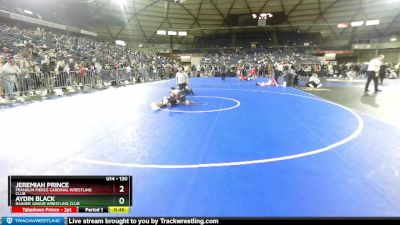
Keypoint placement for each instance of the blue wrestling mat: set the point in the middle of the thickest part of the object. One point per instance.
(243, 150)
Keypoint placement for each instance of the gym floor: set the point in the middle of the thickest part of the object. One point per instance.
(242, 150)
(382, 106)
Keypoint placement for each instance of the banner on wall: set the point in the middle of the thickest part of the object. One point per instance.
(186, 58)
(330, 56)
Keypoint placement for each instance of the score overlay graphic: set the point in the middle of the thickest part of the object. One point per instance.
(69, 194)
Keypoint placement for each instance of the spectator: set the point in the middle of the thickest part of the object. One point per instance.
(382, 72)
(8, 77)
(314, 82)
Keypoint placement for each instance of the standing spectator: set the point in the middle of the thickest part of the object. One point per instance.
(356, 69)
(363, 70)
(277, 71)
(8, 75)
(373, 72)
(1, 70)
(223, 71)
(202, 71)
(382, 72)
(253, 71)
(290, 76)
(307, 71)
(168, 70)
(187, 69)
(238, 71)
(71, 65)
(193, 71)
(25, 79)
(143, 72)
(330, 69)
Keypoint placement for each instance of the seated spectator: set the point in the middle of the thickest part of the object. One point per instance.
(314, 82)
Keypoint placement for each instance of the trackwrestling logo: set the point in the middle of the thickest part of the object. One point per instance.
(33, 220)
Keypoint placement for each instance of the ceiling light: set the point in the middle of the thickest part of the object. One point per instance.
(28, 12)
(342, 25)
(171, 32)
(357, 23)
(161, 32)
(120, 2)
(371, 22)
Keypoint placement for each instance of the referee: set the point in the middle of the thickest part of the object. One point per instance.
(181, 79)
(373, 72)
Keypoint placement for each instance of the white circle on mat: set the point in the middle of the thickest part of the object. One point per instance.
(248, 162)
(205, 111)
